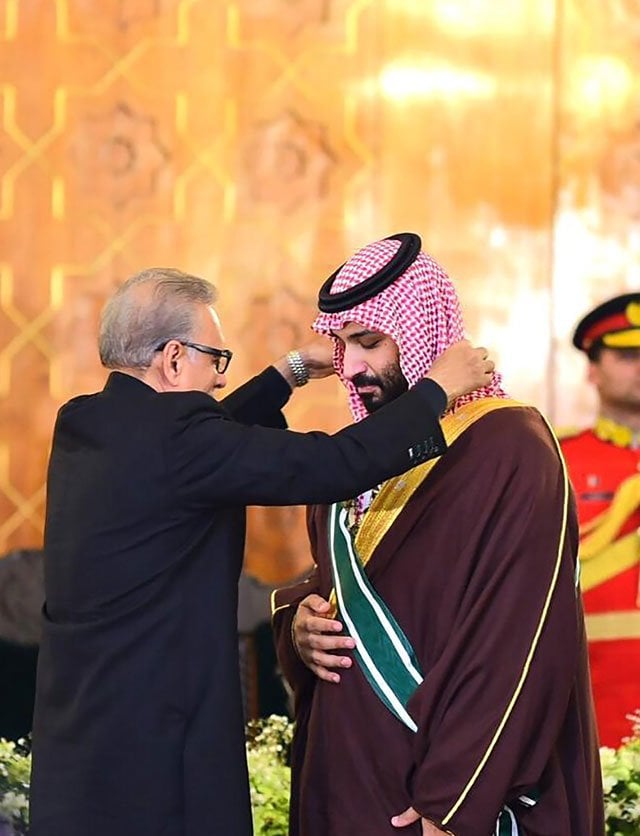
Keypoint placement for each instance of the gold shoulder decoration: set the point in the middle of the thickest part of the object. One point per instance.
(395, 493)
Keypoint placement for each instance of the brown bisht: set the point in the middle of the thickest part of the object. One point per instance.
(479, 570)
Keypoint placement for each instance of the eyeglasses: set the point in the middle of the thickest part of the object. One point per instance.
(222, 355)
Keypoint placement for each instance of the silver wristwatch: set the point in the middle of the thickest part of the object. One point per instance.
(298, 368)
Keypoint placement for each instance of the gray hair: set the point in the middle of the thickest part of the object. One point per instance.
(149, 309)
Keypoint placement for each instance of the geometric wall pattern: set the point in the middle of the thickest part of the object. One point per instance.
(260, 142)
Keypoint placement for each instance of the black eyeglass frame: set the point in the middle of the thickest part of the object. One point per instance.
(222, 355)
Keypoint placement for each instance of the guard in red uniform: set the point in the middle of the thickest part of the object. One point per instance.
(604, 466)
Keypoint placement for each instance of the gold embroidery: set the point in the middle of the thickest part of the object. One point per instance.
(396, 492)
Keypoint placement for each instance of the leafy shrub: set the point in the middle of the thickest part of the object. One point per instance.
(15, 770)
(268, 743)
(621, 780)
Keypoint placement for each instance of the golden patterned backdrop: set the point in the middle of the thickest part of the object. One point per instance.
(260, 142)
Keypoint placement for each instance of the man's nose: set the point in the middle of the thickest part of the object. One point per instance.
(353, 365)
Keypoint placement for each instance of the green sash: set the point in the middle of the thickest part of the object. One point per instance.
(385, 654)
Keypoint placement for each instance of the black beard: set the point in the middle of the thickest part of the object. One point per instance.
(392, 384)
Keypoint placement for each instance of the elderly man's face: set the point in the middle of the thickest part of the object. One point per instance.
(199, 370)
(371, 363)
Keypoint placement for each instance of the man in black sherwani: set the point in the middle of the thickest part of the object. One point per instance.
(138, 725)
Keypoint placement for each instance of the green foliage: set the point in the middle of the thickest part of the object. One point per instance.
(15, 772)
(268, 743)
(621, 780)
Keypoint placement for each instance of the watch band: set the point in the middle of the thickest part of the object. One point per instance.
(298, 368)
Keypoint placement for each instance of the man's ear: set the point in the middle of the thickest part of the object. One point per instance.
(171, 363)
(593, 373)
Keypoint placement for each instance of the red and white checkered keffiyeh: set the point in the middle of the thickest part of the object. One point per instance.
(420, 311)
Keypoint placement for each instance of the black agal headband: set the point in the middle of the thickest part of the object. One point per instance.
(409, 250)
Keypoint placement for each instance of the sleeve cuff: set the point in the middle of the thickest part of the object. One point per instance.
(278, 386)
(434, 444)
(434, 394)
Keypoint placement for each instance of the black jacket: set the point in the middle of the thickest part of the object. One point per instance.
(138, 725)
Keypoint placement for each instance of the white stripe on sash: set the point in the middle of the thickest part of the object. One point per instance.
(499, 831)
(382, 617)
(366, 658)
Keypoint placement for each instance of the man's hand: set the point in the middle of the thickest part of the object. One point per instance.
(317, 355)
(314, 634)
(461, 369)
(410, 816)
